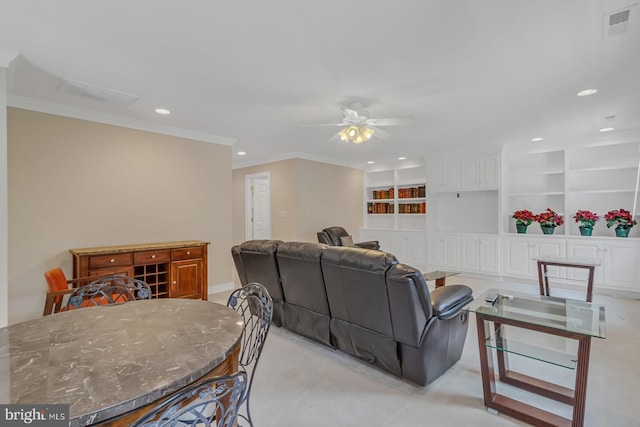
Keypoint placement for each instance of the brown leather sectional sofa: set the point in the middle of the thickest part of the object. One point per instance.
(362, 302)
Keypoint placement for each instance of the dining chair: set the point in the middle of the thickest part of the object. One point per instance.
(255, 306)
(58, 286)
(211, 402)
(108, 290)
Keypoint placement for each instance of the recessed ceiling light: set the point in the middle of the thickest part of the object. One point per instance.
(587, 92)
(606, 129)
(242, 153)
(402, 158)
(162, 111)
(370, 162)
(536, 139)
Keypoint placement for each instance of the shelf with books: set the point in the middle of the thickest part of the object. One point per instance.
(396, 198)
(378, 208)
(412, 192)
(418, 207)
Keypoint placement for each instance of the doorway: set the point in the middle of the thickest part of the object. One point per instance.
(258, 206)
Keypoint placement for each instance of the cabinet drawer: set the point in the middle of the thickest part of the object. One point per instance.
(151, 257)
(187, 253)
(112, 260)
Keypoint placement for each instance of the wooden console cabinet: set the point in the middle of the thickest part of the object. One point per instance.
(172, 269)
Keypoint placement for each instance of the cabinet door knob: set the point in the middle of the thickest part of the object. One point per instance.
(112, 260)
(188, 252)
(174, 282)
(153, 257)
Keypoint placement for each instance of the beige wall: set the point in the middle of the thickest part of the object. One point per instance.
(312, 195)
(4, 212)
(74, 183)
(327, 195)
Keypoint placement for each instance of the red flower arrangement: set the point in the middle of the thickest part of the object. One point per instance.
(587, 218)
(523, 217)
(619, 218)
(549, 218)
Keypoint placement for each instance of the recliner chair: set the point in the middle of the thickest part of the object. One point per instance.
(338, 236)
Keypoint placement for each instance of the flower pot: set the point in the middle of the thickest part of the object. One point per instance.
(585, 230)
(521, 228)
(547, 229)
(622, 231)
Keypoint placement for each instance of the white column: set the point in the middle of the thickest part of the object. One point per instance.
(5, 60)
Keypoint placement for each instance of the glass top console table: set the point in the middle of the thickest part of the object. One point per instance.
(571, 319)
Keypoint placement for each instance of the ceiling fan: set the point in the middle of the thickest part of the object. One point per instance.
(359, 127)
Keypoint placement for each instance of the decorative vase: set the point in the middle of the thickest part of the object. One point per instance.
(622, 231)
(547, 229)
(585, 230)
(521, 228)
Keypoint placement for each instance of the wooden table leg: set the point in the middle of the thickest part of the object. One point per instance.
(580, 391)
(440, 282)
(486, 363)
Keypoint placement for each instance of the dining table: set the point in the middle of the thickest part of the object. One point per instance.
(111, 363)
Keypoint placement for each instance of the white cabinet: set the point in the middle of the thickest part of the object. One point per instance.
(585, 248)
(410, 248)
(443, 250)
(480, 172)
(444, 176)
(621, 264)
(480, 253)
(382, 236)
(521, 251)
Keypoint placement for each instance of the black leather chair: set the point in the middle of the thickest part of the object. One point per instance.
(306, 310)
(256, 262)
(338, 236)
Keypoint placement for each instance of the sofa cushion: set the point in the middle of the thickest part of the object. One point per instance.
(260, 265)
(306, 309)
(356, 288)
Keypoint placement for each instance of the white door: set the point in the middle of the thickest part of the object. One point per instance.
(258, 207)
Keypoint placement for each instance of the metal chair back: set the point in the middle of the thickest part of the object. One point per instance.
(108, 290)
(211, 402)
(255, 306)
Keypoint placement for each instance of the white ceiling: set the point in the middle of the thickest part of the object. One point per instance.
(473, 75)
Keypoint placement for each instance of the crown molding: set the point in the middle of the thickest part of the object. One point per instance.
(296, 155)
(40, 106)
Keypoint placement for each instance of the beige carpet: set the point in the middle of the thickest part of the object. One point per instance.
(301, 383)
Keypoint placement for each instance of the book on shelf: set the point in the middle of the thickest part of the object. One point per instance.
(379, 208)
(382, 194)
(412, 192)
(412, 208)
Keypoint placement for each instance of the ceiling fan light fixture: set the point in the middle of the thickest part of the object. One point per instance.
(356, 133)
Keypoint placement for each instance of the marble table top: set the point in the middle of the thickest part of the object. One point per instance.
(107, 360)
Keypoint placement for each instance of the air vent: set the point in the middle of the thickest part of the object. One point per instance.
(619, 18)
(97, 93)
(617, 22)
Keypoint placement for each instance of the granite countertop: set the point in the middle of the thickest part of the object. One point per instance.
(107, 360)
(137, 247)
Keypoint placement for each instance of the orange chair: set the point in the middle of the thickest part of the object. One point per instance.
(58, 287)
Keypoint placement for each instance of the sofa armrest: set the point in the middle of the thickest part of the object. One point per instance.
(370, 244)
(447, 301)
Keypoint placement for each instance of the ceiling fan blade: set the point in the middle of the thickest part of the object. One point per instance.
(379, 133)
(350, 115)
(335, 137)
(390, 121)
(322, 124)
